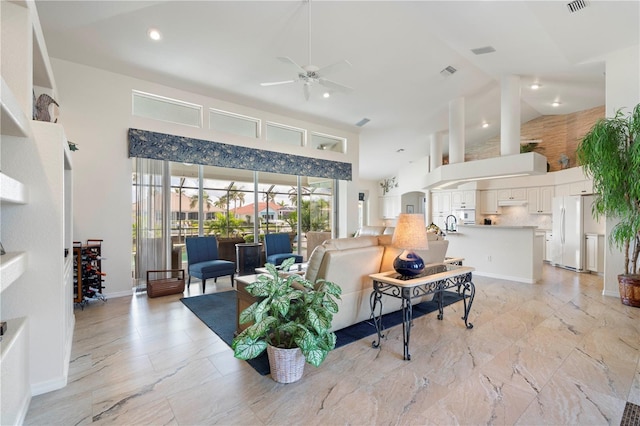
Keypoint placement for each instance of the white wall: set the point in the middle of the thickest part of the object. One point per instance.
(95, 109)
(623, 91)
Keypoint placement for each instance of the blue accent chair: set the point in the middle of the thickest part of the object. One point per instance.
(277, 248)
(203, 262)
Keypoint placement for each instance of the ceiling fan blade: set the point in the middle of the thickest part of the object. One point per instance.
(334, 67)
(275, 83)
(307, 91)
(335, 86)
(290, 61)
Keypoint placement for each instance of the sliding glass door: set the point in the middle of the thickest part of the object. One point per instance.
(236, 205)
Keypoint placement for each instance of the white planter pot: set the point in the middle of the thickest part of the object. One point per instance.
(287, 365)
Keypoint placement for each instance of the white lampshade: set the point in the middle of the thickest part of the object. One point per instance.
(410, 232)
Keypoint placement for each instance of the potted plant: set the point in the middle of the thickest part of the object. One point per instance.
(610, 154)
(292, 316)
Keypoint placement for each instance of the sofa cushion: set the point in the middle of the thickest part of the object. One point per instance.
(314, 262)
(370, 230)
(350, 243)
(221, 267)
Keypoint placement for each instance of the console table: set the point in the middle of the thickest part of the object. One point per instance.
(435, 279)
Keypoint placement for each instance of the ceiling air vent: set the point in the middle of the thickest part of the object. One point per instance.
(362, 122)
(576, 5)
(448, 71)
(483, 50)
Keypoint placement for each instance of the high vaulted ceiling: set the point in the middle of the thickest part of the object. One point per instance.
(397, 51)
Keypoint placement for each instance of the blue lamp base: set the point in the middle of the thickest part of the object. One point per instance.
(408, 264)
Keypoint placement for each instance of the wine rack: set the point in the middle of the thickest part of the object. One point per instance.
(88, 277)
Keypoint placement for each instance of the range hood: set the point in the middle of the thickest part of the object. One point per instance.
(449, 175)
(508, 203)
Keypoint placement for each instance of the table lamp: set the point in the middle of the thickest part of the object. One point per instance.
(410, 234)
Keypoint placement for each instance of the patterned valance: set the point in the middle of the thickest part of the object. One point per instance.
(160, 146)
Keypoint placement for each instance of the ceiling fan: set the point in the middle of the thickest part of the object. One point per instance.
(312, 74)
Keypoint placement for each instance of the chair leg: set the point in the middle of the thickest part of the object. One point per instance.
(233, 283)
(189, 281)
(204, 282)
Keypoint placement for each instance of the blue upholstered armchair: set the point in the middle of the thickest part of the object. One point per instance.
(277, 248)
(203, 262)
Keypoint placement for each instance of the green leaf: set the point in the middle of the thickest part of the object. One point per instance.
(247, 315)
(248, 349)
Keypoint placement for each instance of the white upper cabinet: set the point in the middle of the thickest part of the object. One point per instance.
(512, 194)
(440, 202)
(489, 202)
(584, 187)
(463, 199)
(539, 200)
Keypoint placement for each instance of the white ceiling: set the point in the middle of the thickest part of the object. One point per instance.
(397, 50)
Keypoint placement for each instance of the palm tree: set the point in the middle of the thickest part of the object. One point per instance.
(236, 195)
(222, 202)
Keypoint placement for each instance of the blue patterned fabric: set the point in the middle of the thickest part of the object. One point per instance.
(161, 146)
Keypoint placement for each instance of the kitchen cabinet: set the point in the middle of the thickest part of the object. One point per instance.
(441, 203)
(463, 200)
(563, 190)
(489, 202)
(539, 200)
(512, 194)
(390, 206)
(548, 246)
(594, 252)
(584, 187)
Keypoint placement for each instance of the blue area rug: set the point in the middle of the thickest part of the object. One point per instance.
(218, 312)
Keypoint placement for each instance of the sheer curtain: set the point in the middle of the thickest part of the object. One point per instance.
(153, 235)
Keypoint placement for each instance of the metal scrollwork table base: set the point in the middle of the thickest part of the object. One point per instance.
(435, 279)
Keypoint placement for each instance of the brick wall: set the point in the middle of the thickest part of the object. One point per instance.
(560, 134)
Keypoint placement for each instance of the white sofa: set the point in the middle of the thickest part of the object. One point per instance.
(348, 262)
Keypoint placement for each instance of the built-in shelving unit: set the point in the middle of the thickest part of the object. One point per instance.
(36, 283)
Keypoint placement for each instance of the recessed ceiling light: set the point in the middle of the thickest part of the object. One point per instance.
(535, 86)
(555, 104)
(326, 95)
(485, 125)
(154, 34)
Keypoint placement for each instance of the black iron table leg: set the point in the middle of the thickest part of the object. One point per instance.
(407, 321)
(376, 302)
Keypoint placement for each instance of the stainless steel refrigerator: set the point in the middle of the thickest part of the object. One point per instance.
(568, 232)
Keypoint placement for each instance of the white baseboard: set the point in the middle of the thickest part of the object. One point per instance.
(504, 277)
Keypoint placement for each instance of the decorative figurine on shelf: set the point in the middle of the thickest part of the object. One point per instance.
(564, 161)
(387, 184)
(42, 112)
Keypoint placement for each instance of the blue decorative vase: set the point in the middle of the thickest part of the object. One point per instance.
(408, 264)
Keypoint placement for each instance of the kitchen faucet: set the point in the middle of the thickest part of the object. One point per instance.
(454, 226)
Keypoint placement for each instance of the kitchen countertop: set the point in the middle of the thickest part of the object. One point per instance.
(498, 226)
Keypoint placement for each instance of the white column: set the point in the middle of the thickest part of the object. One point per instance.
(456, 131)
(510, 115)
(435, 150)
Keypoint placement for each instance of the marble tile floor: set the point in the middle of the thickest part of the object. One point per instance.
(556, 352)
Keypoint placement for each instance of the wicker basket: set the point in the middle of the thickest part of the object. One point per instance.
(287, 365)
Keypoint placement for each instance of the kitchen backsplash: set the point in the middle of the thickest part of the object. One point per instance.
(518, 216)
